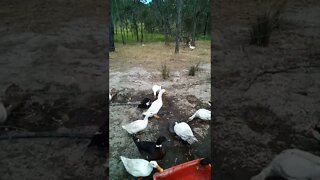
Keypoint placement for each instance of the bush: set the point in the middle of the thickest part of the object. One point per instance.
(193, 69)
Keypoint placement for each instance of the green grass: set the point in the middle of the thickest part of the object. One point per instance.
(203, 38)
(149, 37)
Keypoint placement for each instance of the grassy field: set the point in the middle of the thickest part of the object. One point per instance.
(149, 37)
(154, 54)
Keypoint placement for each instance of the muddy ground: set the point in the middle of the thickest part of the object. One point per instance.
(266, 99)
(53, 71)
(186, 94)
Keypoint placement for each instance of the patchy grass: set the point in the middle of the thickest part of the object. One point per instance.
(165, 71)
(193, 69)
(266, 22)
(153, 55)
(131, 37)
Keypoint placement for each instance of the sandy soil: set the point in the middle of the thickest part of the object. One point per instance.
(266, 99)
(53, 70)
(132, 80)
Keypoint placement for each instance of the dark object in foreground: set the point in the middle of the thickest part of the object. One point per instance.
(153, 150)
(292, 164)
(205, 162)
(100, 139)
(187, 171)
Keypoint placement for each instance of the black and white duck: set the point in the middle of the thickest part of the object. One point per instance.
(152, 150)
(156, 105)
(145, 103)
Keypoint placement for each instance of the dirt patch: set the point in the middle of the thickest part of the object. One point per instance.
(133, 79)
(177, 151)
(266, 99)
(53, 74)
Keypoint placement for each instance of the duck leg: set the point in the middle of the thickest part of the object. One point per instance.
(156, 116)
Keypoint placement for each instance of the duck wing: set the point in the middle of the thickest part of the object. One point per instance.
(145, 146)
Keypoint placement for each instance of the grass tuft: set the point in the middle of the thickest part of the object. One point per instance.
(165, 71)
(193, 69)
(266, 22)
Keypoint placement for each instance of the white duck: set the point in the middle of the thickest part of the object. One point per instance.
(156, 105)
(201, 114)
(190, 46)
(184, 131)
(139, 167)
(110, 97)
(156, 89)
(137, 125)
(292, 164)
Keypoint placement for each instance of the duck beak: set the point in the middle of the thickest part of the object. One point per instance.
(159, 169)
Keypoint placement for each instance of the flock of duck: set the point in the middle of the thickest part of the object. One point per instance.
(154, 151)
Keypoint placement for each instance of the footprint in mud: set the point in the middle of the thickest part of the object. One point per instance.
(261, 119)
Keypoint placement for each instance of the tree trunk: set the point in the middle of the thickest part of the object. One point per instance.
(206, 24)
(122, 35)
(178, 25)
(131, 30)
(116, 30)
(127, 31)
(193, 37)
(141, 30)
(111, 34)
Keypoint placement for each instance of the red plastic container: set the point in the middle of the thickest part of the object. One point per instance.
(190, 170)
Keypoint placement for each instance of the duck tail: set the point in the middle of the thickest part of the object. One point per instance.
(192, 140)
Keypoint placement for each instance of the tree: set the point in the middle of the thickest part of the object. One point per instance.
(178, 25)
(111, 34)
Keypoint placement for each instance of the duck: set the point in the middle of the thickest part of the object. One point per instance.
(156, 89)
(139, 167)
(292, 164)
(3, 113)
(201, 114)
(184, 131)
(156, 105)
(190, 46)
(316, 132)
(138, 125)
(154, 150)
(110, 97)
(145, 103)
(100, 138)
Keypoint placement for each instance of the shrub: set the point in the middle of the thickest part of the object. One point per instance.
(266, 23)
(165, 72)
(193, 69)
